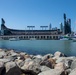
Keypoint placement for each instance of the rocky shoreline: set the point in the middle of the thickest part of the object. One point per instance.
(21, 63)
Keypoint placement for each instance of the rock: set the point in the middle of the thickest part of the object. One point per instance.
(17, 71)
(14, 71)
(60, 66)
(27, 56)
(37, 56)
(68, 71)
(31, 65)
(58, 54)
(11, 58)
(35, 67)
(37, 60)
(22, 57)
(73, 72)
(60, 59)
(19, 63)
(45, 57)
(73, 65)
(46, 63)
(29, 72)
(52, 72)
(31, 56)
(2, 54)
(1, 64)
(71, 57)
(2, 69)
(18, 57)
(1, 50)
(28, 60)
(12, 53)
(44, 68)
(52, 61)
(22, 53)
(5, 60)
(67, 61)
(49, 63)
(10, 65)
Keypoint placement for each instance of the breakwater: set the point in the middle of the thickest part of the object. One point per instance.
(21, 63)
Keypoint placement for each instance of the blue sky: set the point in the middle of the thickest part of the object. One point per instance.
(19, 14)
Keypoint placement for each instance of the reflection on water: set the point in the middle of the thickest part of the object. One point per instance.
(41, 46)
(67, 47)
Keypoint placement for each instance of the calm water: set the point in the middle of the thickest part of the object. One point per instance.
(41, 46)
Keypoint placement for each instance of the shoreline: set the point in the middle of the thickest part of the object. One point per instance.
(42, 53)
(21, 63)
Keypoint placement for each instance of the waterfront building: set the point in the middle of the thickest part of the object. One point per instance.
(49, 34)
(44, 34)
(67, 25)
(50, 26)
(61, 28)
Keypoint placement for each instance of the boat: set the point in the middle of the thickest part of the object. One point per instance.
(65, 37)
(74, 39)
(32, 38)
(13, 39)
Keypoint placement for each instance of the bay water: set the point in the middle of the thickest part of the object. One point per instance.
(41, 46)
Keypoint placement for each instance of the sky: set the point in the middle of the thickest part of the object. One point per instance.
(18, 14)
